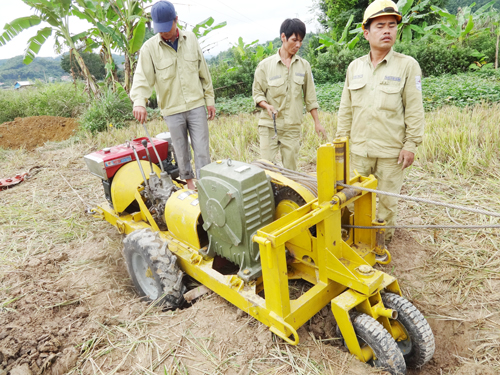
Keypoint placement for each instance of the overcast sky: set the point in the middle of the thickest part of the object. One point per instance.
(257, 19)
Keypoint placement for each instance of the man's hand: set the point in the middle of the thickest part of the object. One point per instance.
(140, 114)
(320, 130)
(211, 112)
(406, 157)
(271, 110)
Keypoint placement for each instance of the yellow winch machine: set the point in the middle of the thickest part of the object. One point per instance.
(250, 229)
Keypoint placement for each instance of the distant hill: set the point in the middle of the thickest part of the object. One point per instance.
(453, 5)
(42, 68)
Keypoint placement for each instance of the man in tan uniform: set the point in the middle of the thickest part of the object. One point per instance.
(278, 85)
(172, 62)
(381, 108)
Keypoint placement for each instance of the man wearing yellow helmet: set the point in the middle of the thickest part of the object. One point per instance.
(381, 108)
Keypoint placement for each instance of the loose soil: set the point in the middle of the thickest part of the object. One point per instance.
(31, 132)
(68, 306)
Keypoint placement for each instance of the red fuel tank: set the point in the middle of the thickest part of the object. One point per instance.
(106, 162)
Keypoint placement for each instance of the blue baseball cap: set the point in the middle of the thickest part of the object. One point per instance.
(163, 14)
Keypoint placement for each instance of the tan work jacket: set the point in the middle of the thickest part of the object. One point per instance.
(381, 109)
(282, 88)
(181, 79)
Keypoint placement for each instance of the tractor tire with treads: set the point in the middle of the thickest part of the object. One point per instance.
(153, 269)
(387, 354)
(419, 347)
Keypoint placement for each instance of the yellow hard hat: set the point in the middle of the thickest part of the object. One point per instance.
(381, 8)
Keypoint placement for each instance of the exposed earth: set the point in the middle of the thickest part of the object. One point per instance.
(67, 304)
(31, 132)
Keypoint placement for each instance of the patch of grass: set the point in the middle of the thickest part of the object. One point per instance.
(109, 110)
(54, 99)
(464, 141)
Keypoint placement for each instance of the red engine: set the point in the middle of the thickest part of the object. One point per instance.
(106, 162)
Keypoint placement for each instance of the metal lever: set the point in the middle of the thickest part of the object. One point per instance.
(154, 148)
(275, 130)
(146, 184)
(145, 144)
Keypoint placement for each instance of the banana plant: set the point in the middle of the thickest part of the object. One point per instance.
(327, 41)
(103, 34)
(457, 27)
(411, 13)
(56, 13)
(246, 58)
(203, 28)
(131, 29)
(494, 18)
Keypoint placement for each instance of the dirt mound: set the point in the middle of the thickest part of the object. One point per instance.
(31, 132)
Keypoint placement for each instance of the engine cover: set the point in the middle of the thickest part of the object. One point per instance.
(236, 199)
(106, 162)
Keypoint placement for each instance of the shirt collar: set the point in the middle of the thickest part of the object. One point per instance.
(278, 57)
(182, 35)
(387, 57)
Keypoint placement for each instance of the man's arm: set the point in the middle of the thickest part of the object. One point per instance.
(259, 91)
(414, 115)
(142, 86)
(311, 102)
(206, 83)
(344, 121)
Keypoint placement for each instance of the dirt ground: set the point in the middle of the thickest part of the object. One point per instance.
(31, 132)
(67, 304)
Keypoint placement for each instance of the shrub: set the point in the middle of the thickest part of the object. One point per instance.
(111, 108)
(235, 105)
(43, 99)
(332, 65)
(439, 57)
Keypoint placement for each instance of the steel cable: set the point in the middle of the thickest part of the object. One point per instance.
(423, 200)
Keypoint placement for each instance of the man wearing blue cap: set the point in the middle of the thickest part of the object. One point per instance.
(172, 62)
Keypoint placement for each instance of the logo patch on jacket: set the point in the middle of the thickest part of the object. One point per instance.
(392, 78)
(418, 82)
(275, 77)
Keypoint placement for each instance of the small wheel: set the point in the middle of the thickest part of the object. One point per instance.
(418, 347)
(387, 355)
(153, 269)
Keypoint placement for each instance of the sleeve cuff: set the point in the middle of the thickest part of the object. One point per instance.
(210, 102)
(410, 146)
(312, 106)
(140, 103)
(258, 99)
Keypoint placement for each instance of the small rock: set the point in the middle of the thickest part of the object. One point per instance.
(52, 345)
(80, 312)
(66, 362)
(23, 369)
(60, 257)
(34, 262)
(241, 314)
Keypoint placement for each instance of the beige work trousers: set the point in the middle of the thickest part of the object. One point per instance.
(287, 142)
(390, 178)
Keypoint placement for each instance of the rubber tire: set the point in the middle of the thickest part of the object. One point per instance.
(148, 249)
(417, 328)
(387, 353)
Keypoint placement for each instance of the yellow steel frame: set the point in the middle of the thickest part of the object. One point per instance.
(342, 271)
